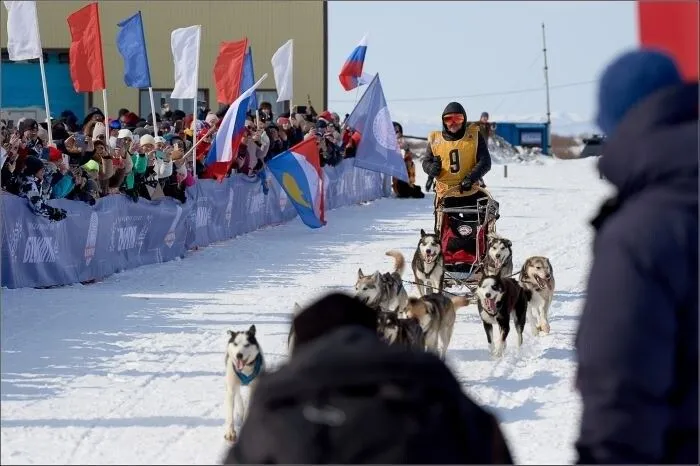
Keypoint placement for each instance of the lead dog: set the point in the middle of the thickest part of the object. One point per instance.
(499, 257)
(537, 276)
(383, 292)
(428, 264)
(436, 314)
(244, 363)
(497, 300)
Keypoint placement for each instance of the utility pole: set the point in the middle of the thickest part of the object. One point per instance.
(546, 84)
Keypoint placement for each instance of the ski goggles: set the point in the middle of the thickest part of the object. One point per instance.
(453, 118)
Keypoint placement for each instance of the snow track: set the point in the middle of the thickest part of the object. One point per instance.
(130, 370)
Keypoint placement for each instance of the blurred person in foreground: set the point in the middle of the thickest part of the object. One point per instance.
(346, 397)
(637, 341)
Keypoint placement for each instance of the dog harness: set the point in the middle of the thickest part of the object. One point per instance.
(257, 368)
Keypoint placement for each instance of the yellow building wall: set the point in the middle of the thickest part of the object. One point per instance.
(267, 24)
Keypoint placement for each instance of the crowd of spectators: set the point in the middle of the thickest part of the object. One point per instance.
(134, 156)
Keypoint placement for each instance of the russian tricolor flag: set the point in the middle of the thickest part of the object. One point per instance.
(224, 148)
(298, 171)
(352, 69)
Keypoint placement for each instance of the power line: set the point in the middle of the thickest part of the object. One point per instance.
(484, 94)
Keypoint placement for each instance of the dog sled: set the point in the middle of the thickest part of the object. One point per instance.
(463, 221)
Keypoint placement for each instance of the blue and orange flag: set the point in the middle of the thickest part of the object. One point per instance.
(298, 171)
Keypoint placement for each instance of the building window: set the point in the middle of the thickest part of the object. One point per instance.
(531, 138)
(162, 97)
(270, 95)
(5, 57)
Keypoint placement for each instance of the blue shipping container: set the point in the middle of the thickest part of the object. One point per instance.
(21, 85)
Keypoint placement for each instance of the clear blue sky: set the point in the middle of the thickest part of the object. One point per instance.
(425, 49)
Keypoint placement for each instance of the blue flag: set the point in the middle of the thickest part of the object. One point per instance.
(378, 149)
(131, 45)
(248, 79)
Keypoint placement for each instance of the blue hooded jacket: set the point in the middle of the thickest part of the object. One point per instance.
(637, 343)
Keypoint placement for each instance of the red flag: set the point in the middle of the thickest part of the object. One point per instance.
(86, 62)
(228, 70)
(671, 26)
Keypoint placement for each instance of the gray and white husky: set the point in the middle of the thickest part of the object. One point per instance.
(383, 291)
(499, 257)
(244, 363)
(436, 314)
(397, 331)
(428, 264)
(537, 275)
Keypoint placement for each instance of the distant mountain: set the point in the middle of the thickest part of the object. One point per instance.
(563, 123)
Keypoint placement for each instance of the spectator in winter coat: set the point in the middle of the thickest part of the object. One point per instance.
(277, 145)
(290, 128)
(60, 179)
(637, 343)
(30, 144)
(32, 190)
(87, 188)
(346, 397)
(93, 114)
(401, 188)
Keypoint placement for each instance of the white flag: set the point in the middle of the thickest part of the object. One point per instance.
(282, 69)
(22, 30)
(366, 78)
(184, 43)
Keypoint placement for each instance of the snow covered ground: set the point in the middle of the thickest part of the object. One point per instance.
(130, 370)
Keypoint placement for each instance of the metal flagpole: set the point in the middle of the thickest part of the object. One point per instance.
(153, 111)
(43, 80)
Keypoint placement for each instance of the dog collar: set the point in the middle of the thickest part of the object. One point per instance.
(257, 368)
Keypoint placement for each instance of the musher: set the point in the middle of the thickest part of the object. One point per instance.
(457, 156)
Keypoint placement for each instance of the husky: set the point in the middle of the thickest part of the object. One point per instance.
(428, 264)
(244, 363)
(397, 331)
(537, 276)
(499, 257)
(436, 314)
(383, 292)
(497, 299)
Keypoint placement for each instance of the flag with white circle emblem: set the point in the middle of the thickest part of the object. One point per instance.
(378, 149)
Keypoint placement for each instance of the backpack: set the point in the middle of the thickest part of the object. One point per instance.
(349, 398)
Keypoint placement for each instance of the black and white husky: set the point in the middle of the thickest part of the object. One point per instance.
(383, 291)
(244, 363)
(499, 257)
(428, 264)
(497, 299)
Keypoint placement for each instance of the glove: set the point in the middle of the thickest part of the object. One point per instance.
(132, 194)
(466, 185)
(433, 166)
(57, 214)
